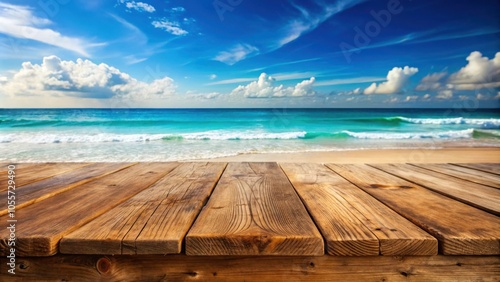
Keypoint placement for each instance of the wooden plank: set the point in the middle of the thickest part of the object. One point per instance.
(486, 167)
(154, 221)
(464, 173)
(254, 210)
(42, 225)
(29, 173)
(479, 196)
(351, 221)
(49, 187)
(258, 268)
(460, 228)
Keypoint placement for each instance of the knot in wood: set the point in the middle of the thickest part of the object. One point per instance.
(103, 265)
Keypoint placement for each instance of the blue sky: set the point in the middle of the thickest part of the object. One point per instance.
(242, 53)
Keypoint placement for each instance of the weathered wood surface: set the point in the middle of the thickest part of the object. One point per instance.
(29, 173)
(491, 168)
(49, 187)
(460, 228)
(43, 224)
(261, 269)
(351, 221)
(480, 196)
(254, 210)
(469, 174)
(154, 221)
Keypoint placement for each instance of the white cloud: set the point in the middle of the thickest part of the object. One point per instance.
(481, 96)
(264, 88)
(352, 92)
(304, 88)
(170, 27)
(396, 80)
(445, 94)
(411, 98)
(19, 21)
(433, 81)
(426, 96)
(392, 100)
(278, 76)
(178, 9)
(138, 6)
(213, 76)
(82, 78)
(480, 72)
(487, 96)
(205, 96)
(236, 54)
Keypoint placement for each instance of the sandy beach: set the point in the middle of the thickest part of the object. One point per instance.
(446, 155)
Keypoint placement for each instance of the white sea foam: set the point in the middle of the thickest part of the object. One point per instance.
(246, 135)
(452, 134)
(44, 138)
(484, 123)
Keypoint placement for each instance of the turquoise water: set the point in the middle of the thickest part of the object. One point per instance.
(183, 134)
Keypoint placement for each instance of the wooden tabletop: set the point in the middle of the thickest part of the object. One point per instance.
(251, 209)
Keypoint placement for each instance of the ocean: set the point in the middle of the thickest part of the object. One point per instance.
(49, 135)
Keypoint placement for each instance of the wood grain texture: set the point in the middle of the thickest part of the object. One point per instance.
(486, 167)
(479, 196)
(43, 224)
(29, 173)
(460, 228)
(469, 174)
(49, 187)
(154, 221)
(352, 222)
(261, 269)
(254, 210)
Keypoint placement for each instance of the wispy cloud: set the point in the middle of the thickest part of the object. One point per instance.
(236, 54)
(348, 81)
(284, 64)
(294, 75)
(232, 81)
(135, 33)
(308, 22)
(170, 27)
(426, 37)
(19, 21)
(132, 60)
